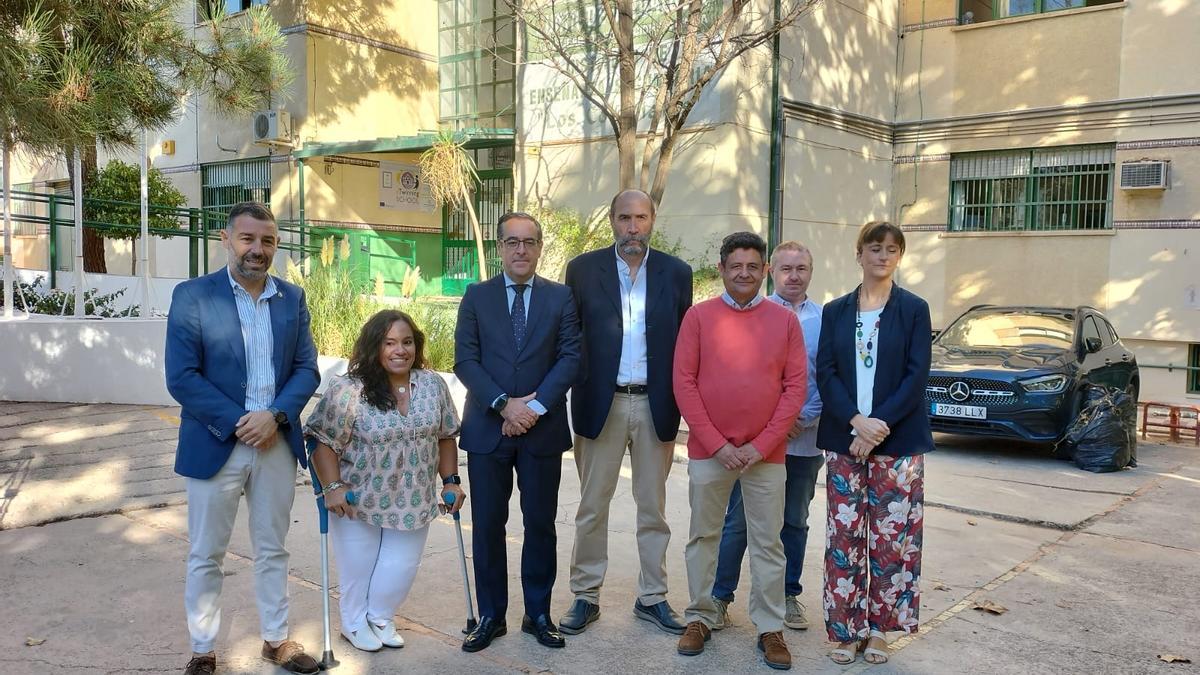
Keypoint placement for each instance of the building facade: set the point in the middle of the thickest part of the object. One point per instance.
(1034, 151)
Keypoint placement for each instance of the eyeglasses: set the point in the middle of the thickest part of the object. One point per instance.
(513, 243)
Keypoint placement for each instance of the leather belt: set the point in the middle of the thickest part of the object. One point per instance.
(631, 389)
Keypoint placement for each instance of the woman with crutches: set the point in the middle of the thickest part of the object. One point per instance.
(385, 431)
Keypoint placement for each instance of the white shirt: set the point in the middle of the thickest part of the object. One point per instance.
(632, 368)
(809, 315)
(865, 375)
(258, 340)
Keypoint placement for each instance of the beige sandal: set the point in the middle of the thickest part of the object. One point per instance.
(846, 652)
(875, 656)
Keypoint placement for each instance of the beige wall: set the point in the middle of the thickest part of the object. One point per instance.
(351, 194)
(842, 55)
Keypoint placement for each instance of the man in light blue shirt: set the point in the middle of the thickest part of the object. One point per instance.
(791, 270)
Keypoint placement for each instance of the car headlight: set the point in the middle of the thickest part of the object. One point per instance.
(1046, 384)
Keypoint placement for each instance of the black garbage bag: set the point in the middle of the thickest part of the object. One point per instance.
(1104, 435)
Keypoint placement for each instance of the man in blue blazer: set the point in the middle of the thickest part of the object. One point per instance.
(631, 302)
(516, 349)
(241, 363)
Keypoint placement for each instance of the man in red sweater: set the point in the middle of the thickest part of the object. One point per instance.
(739, 379)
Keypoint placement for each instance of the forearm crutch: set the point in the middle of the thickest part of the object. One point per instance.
(327, 659)
(462, 561)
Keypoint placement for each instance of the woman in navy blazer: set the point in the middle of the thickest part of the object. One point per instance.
(872, 368)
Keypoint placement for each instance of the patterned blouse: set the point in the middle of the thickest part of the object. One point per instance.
(388, 459)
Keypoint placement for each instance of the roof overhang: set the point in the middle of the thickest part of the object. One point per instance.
(473, 138)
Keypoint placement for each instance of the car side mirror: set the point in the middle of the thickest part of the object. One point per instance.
(1091, 344)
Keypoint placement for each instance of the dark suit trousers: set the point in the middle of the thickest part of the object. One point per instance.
(491, 483)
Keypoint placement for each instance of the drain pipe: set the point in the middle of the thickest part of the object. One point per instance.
(775, 202)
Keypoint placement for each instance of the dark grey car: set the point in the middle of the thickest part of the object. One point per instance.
(1021, 371)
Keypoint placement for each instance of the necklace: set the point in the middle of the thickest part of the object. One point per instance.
(864, 351)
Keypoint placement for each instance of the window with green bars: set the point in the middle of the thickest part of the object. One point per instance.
(1047, 189)
(476, 76)
(1194, 375)
(228, 183)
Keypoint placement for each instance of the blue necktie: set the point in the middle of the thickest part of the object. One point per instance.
(518, 314)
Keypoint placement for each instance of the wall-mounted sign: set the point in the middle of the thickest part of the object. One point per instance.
(401, 187)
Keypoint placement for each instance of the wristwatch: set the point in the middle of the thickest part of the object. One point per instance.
(452, 479)
(281, 418)
(500, 402)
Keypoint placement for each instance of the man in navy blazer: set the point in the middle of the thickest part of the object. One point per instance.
(631, 302)
(516, 349)
(241, 363)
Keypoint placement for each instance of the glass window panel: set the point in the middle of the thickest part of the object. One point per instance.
(487, 101)
(465, 70)
(1015, 7)
(483, 69)
(504, 69)
(504, 95)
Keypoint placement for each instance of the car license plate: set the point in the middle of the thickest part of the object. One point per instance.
(973, 412)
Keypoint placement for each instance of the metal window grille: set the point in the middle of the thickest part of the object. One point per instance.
(1036, 190)
(229, 183)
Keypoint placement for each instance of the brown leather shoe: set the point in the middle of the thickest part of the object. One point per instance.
(201, 665)
(290, 656)
(694, 637)
(775, 650)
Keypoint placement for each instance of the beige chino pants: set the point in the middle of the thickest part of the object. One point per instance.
(629, 427)
(709, 486)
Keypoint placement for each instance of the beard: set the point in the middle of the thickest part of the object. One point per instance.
(633, 244)
(246, 272)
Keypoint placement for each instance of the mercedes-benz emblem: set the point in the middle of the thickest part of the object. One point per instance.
(960, 391)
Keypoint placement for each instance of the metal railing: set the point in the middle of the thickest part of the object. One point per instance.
(53, 211)
(44, 214)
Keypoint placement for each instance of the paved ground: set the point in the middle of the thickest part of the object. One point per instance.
(1099, 573)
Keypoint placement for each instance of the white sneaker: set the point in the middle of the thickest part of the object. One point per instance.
(363, 639)
(387, 634)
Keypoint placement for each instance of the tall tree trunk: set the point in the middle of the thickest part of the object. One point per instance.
(666, 156)
(627, 118)
(93, 243)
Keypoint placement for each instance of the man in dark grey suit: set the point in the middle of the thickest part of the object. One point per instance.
(631, 302)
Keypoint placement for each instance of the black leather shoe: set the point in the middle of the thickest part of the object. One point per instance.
(659, 614)
(544, 630)
(488, 629)
(576, 620)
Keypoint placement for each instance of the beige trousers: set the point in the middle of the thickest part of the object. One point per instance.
(762, 496)
(629, 427)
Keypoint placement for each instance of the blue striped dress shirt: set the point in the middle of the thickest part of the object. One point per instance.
(255, 317)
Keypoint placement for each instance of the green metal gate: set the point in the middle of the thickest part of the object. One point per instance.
(493, 198)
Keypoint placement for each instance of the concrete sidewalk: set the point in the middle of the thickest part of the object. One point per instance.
(1097, 572)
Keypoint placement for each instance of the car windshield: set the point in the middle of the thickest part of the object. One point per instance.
(1009, 329)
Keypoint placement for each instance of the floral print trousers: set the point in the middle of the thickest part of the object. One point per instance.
(873, 545)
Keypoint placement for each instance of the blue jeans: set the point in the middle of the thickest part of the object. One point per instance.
(798, 492)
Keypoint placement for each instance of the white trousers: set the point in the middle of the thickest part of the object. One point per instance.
(268, 478)
(376, 568)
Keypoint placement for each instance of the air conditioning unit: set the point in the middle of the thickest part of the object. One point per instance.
(1145, 174)
(272, 126)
